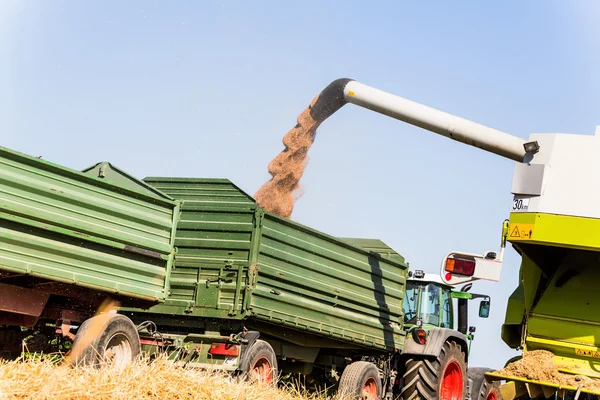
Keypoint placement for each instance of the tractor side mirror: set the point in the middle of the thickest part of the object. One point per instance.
(484, 309)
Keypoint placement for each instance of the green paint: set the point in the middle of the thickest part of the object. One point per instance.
(66, 226)
(461, 295)
(238, 262)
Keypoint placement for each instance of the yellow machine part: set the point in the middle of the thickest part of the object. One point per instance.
(555, 230)
(558, 296)
(517, 387)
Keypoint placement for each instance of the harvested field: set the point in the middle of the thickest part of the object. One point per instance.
(539, 365)
(35, 379)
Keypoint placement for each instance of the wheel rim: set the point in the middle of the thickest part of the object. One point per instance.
(492, 395)
(452, 382)
(369, 390)
(262, 370)
(118, 350)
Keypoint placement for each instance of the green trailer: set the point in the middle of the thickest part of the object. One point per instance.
(194, 269)
(69, 239)
(240, 264)
(255, 293)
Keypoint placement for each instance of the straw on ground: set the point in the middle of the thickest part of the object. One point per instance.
(43, 379)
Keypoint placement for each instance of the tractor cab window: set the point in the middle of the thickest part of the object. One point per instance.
(411, 303)
(430, 304)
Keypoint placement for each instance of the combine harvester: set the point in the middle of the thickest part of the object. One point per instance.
(554, 225)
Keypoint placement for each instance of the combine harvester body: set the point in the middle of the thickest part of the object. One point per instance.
(554, 225)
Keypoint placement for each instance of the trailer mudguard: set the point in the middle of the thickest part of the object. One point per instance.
(435, 340)
(251, 337)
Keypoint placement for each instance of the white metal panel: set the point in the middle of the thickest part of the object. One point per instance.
(571, 179)
(528, 179)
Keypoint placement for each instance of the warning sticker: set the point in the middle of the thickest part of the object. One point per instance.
(587, 353)
(521, 231)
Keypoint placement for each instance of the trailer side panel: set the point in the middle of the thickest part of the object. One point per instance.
(61, 225)
(317, 283)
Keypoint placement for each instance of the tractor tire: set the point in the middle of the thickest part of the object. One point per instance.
(360, 380)
(260, 364)
(479, 385)
(106, 338)
(442, 378)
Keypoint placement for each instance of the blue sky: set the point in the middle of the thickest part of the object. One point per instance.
(209, 88)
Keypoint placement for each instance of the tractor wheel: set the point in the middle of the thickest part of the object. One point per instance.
(106, 339)
(480, 386)
(442, 378)
(360, 380)
(260, 364)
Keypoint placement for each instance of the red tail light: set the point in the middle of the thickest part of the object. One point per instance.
(460, 266)
(420, 336)
(224, 349)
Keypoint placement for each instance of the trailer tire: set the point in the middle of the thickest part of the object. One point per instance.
(260, 363)
(360, 380)
(480, 386)
(106, 338)
(442, 378)
(492, 393)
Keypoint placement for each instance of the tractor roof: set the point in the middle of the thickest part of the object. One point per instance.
(428, 277)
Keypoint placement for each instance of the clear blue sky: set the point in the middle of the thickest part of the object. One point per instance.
(209, 88)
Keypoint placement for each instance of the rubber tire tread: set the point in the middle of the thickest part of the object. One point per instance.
(480, 385)
(495, 388)
(354, 377)
(93, 353)
(259, 349)
(422, 376)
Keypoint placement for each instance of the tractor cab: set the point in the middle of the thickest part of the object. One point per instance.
(428, 303)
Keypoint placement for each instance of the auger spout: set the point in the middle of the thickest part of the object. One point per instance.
(342, 91)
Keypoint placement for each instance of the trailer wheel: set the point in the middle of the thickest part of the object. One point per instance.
(493, 393)
(360, 380)
(106, 338)
(480, 386)
(259, 364)
(443, 378)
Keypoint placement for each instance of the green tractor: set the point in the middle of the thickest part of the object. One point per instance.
(430, 317)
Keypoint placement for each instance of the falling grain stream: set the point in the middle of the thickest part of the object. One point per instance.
(279, 194)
